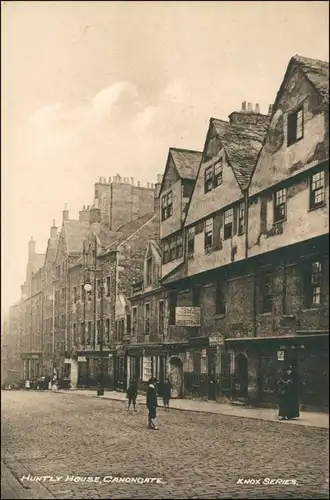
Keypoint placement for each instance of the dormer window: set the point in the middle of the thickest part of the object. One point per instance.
(149, 272)
(167, 205)
(280, 205)
(295, 126)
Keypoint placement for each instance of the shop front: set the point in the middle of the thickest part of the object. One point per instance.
(258, 364)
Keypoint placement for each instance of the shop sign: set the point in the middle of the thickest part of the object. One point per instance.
(188, 316)
(216, 340)
(82, 359)
(280, 355)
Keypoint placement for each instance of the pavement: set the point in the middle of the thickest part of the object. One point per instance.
(90, 447)
(310, 419)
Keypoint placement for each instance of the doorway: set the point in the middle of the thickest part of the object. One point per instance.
(176, 376)
(211, 391)
(241, 376)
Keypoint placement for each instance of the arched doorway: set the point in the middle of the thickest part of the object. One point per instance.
(176, 376)
(241, 379)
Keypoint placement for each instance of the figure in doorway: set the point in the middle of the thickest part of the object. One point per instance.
(167, 388)
(288, 396)
(132, 393)
(151, 404)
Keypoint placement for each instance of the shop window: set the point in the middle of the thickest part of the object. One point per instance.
(146, 368)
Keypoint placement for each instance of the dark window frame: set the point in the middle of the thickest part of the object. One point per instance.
(167, 205)
(280, 205)
(220, 299)
(208, 233)
(293, 128)
(316, 187)
(229, 215)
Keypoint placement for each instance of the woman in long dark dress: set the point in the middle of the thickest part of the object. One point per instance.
(288, 391)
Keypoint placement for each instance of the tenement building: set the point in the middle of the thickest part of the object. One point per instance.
(250, 294)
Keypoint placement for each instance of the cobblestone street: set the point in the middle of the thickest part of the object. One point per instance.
(196, 455)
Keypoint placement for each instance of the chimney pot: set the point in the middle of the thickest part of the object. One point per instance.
(250, 109)
(243, 107)
(257, 108)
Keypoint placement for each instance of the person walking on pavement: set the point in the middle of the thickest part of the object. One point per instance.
(151, 404)
(167, 386)
(288, 404)
(132, 393)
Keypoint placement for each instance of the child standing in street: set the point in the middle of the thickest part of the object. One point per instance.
(151, 404)
(132, 393)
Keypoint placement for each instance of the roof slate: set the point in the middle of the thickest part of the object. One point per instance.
(317, 73)
(242, 144)
(186, 162)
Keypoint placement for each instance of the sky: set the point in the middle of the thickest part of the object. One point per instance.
(93, 89)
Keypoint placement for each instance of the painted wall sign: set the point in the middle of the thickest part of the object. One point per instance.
(188, 316)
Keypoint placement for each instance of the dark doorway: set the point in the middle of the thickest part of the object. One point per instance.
(241, 376)
(211, 392)
(120, 373)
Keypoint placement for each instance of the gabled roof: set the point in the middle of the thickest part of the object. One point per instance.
(316, 71)
(75, 232)
(186, 162)
(242, 144)
(127, 230)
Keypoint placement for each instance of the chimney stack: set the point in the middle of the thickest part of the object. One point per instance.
(243, 110)
(53, 230)
(257, 108)
(31, 247)
(65, 213)
(250, 109)
(270, 109)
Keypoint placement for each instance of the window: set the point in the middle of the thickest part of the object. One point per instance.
(229, 223)
(82, 293)
(108, 286)
(179, 246)
(75, 334)
(167, 205)
(172, 306)
(208, 233)
(128, 323)
(89, 332)
(314, 291)
(267, 293)
(220, 300)
(218, 173)
(82, 333)
(98, 288)
(166, 253)
(147, 319)
(208, 179)
(295, 126)
(317, 197)
(191, 241)
(99, 331)
(172, 249)
(74, 294)
(241, 218)
(146, 368)
(160, 316)
(107, 331)
(63, 321)
(280, 205)
(134, 320)
(63, 293)
(149, 272)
